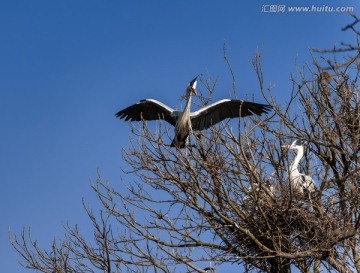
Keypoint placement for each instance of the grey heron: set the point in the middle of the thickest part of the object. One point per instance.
(299, 181)
(186, 121)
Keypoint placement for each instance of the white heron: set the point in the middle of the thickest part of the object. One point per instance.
(186, 121)
(299, 181)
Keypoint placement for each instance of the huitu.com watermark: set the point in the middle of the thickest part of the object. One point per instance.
(312, 8)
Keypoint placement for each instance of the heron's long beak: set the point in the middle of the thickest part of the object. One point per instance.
(193, 84)
(289, 147)
(286, 146)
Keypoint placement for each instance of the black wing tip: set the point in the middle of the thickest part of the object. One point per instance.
(267, 108)
(259, 108)
(119, 115)
(124, 113)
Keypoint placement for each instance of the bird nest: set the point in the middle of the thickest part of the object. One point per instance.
(285, 224)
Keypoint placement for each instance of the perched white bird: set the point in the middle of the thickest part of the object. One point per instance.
(299, 181)
(185, 121)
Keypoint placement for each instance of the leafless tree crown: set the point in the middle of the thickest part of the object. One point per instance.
(226, 198)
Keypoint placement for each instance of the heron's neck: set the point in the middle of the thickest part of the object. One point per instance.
(299, 155)
(188, 103)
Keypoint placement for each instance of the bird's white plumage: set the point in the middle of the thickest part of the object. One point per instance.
(299, 182)
(161, 104)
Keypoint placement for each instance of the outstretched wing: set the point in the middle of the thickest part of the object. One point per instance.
(218, 111)
(148, 109)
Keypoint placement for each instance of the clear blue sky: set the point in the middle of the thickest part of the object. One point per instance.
(67, 66)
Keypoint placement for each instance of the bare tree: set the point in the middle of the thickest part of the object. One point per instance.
(227, 197)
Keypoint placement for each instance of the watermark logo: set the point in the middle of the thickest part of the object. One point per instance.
(273, 8)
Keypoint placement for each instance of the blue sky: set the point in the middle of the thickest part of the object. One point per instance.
(67, 66)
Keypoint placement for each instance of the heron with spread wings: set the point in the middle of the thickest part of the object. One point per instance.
(186, 121)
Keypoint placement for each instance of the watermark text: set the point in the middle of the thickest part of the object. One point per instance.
(312, 8)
